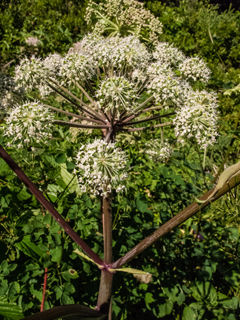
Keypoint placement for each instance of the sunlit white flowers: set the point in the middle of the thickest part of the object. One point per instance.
(101, 167)
(195, 69)
(157, 151)
(198, 118)
(10, 93)
(123, 16)
(28, 123)
(112, 80)
(117, 92)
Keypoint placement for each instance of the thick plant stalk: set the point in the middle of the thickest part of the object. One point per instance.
(105, 287)
(68, 310)
(49, 207)
(176, 221)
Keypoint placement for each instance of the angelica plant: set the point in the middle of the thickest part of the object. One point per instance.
(115, 84)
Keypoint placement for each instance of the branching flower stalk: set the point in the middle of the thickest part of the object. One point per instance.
(120, 85)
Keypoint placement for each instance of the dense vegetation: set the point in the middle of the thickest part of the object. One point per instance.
(203, 272)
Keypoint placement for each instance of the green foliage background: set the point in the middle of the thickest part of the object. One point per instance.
(192, 278)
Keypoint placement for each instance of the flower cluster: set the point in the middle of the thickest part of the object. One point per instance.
(195, 69)
(30, 73)
(33, 41)
(166, 53)
(28, 123)
(198, 118)
(166, 89)
(115, 52)
(158, 151)
(101, 167)
(76, 67)
(125, 16)
(120, 74)
(10, 93)
(116, 92)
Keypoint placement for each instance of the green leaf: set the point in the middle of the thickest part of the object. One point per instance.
(56, 254)
(141, 205)
(149, 299)
(165, 309)
(14, 289)
(65, 299)
(4, 167)
(58, 293)
(23, 194)
(29, 248)
(3, 287)
(61, 158)
(68, 287)
(70, 180)
(189, 314)
(10, 310)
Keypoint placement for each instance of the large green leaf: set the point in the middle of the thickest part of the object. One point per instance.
(10, 310)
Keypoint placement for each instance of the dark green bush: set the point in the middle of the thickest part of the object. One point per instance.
(56, 23)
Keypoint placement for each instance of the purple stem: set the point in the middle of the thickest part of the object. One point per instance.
(48, 206)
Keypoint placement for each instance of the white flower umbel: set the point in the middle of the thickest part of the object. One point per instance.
(9, 94)
(198, 118)
(123, 16)
(101, 167)
(116, 92)
(30, 73)
(76, 67)
(157, 151)
(115, 52)
(119, 77)
(28, 123)
(166, 53)
(195, 69)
